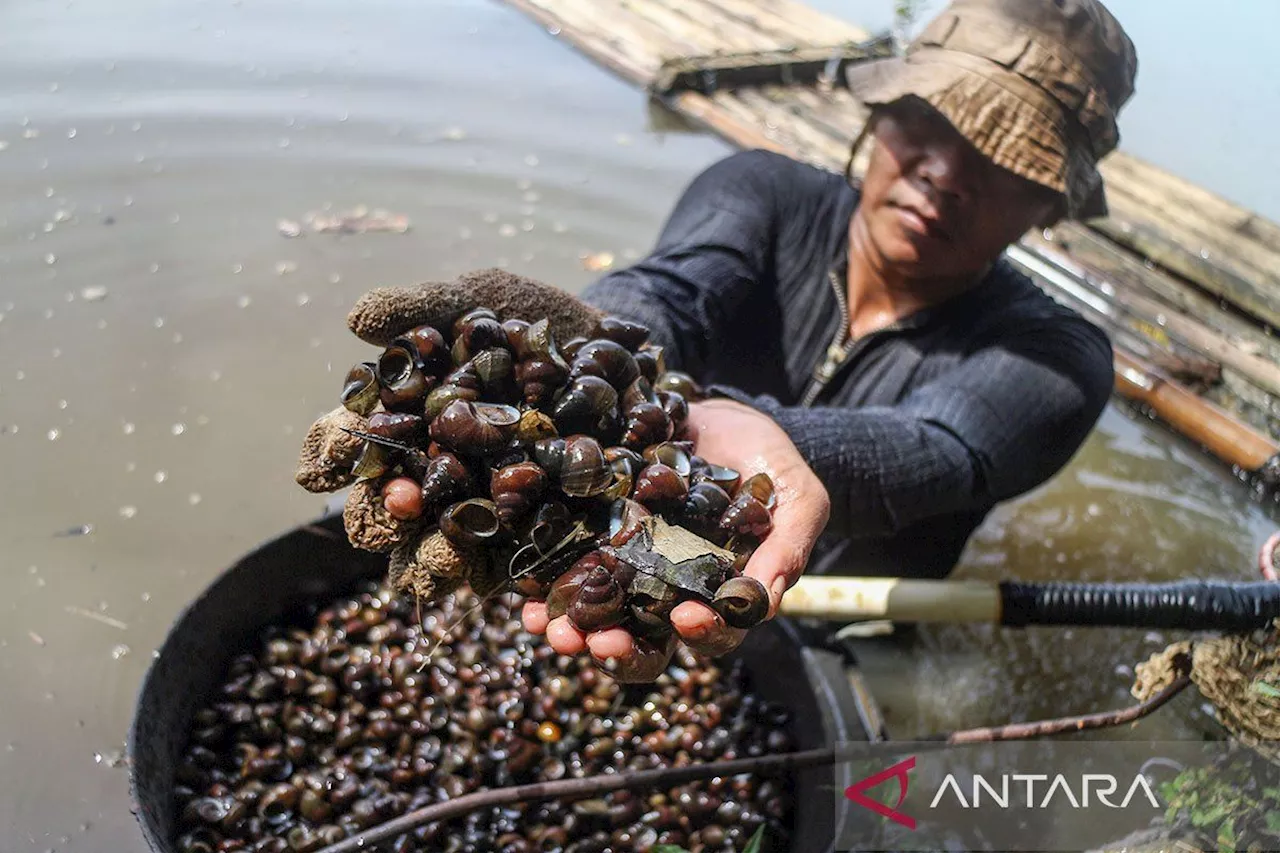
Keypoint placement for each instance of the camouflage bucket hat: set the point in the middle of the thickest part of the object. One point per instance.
(1035, 85)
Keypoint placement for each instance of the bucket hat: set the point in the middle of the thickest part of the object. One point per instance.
(1035, 85)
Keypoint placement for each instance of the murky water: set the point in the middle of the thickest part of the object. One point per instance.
(163, 347)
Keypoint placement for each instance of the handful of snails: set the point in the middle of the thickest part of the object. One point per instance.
(501, 458)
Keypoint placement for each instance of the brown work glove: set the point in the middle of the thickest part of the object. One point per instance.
(386, 312)
(423, 562)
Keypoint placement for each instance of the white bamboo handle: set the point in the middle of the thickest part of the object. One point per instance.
(851, 599)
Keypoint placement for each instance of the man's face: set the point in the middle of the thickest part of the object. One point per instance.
(933, 205)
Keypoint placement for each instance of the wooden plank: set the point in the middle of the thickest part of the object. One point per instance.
(615, 54)
(1094, 251)
(1205, 268)
(789, 27)
(1212, 216)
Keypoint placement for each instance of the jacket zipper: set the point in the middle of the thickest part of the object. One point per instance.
(837, 351)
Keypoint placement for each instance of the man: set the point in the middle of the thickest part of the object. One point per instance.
(868, 346)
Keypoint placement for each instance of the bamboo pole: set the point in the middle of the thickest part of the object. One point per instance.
(1193, 416)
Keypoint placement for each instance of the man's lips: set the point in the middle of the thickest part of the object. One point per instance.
(920, 220)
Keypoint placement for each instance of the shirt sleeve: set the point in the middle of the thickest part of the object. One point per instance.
(1002, 422)
(709, 258)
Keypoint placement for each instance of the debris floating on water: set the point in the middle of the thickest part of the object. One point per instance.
(79, 530)
(598, 262)
(119, 651)
(96, 616)
(286, 267)
(93, 294)
(36, 638)
(359, 220)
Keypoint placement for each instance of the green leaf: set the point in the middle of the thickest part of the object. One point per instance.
(1266, 689)
(1273, 822)
(1208, 817)
(667, 848)
(1227, 836)
(754, 845)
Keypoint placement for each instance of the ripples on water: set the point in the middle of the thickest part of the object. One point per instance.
(163, 347)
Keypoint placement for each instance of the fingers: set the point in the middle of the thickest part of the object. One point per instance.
(703, 630)
(564, 638)
(534, 616)
(646, 661)
(799, 518)
(324, 465)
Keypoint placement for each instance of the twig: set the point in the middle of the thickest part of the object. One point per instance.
(574, 789)
(1040, 728)
(99, 617)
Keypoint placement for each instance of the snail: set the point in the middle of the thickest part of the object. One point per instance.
(491, 454)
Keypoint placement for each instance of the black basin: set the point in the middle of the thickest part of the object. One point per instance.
(315, 561)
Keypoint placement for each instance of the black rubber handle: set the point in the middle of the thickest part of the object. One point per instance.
(1182, 605)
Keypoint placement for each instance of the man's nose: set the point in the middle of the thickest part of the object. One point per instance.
(942, 168)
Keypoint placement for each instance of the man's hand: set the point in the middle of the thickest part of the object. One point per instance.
(739, 437)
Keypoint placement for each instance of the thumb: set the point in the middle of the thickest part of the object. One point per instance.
(798, 520)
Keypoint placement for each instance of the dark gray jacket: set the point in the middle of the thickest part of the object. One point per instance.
(924, 426)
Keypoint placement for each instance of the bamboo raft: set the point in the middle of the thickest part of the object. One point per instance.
(1186, 283)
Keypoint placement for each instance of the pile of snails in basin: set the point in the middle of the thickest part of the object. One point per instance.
(498, 457)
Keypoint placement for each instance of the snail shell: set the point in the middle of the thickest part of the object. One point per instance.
(471, 522)
(475, 331)
(551, 524)
(446, 479)
(515, 488)
(640, 391)
(682, 383)
(746, 515)
(676, 407)
(569, 349)
(630, 335)
(598, 603)
(625, 516)
(374, 461)
(475, 429)
(539, 380)
(608, 360)
(671, 454)
(539, 344)
(440, 398)
(397, 426)
(549, 453)
(404, 383)
(360, 390)
(496, 372)
(742, 602)
(565, 588)
(725, 478)
(651, 362)
(589, 405)
(429, 351)
(660, 488)
(760, 487)
(705, 504)
(626, 465)
(515, 330)
(647, 423)
(585, 473)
